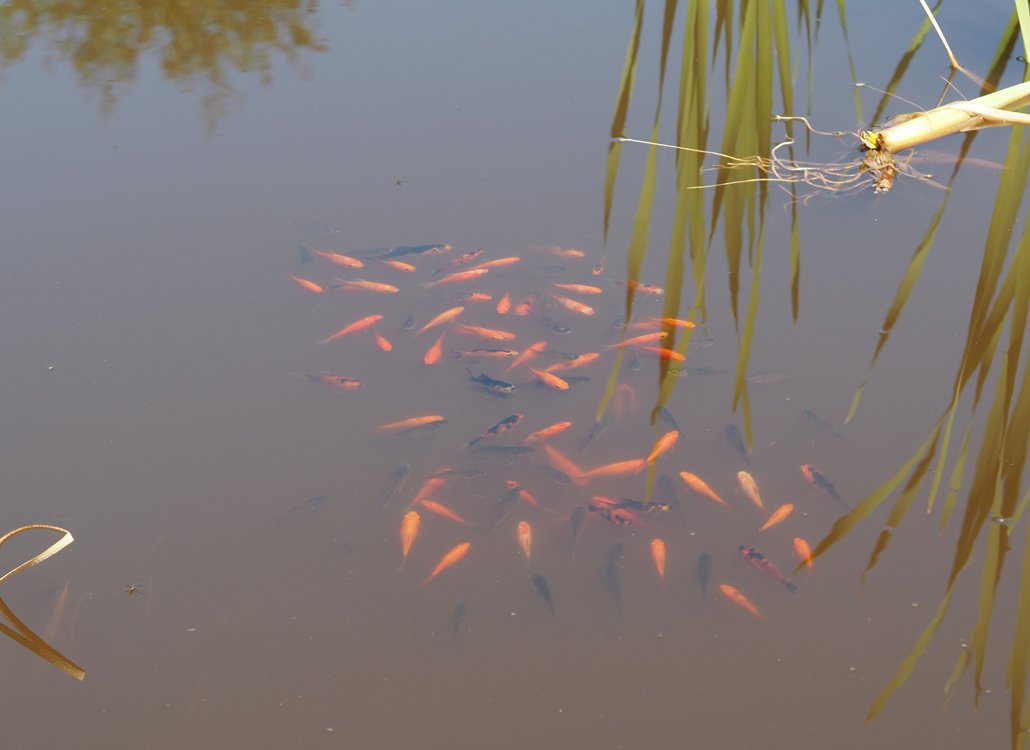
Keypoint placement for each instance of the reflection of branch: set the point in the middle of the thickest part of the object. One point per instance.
(195, 40)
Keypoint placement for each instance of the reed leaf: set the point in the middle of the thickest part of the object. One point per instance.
(619, 118)
(20, 632)
(955, 483)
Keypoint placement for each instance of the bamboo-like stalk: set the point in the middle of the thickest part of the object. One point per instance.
(955, 117)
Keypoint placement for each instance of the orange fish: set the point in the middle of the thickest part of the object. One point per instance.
(340, 260)
(525, 307)
(803, 551)
(527, 354)
(504, 305)
(777, 516)
(311, 286)
(663, 353)
(382, 343)
(646, 338)
(750, 487)
(582, 359)
(550, 380)
(643, 288)
(337, 381)
(739, 599)
(497, 262)
(523, 494)
(547, 432)
(618, 469)
(658, 556)
(435, 352)
(460, 276)
(525, 537)
(675, 322)
(400, 265)
(569, 252)
(412, 422)
(445, 317)
(696, 483)
(367, 286)
(409, 530)
(663, 445)
(599, 268)
(448, 560)
(578, 288)
(572, 305)
(477, 297)
(359, 325)
(430, 486)
(443, 511)
(561, 461)
(486, 333)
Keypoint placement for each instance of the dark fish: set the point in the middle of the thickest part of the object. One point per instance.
(469, 473)
(305, 256)
(402, 250)
(576, 379)
(486, 353)
(556, 474)
(651, 507)
(495, 386)
(818, 480)
(304, 507)
(764, 378)
(409, 323)
(758, 561)
(596, 431)
(504, 450)
(821, 423)
(704, 572)
(559, 328)
(681, 371)
(633, 362)
(668, 488)
(396, 483)
(576, 521)
(556, 354)
(544, 590)
(666, 416)
(613, 578)
(552, 269)
(502, 509)
(457, 620)
(736, 440)
(501, 427)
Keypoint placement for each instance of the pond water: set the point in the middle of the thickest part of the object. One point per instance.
(236, 578)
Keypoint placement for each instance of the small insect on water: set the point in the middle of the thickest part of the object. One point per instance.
(132, 589)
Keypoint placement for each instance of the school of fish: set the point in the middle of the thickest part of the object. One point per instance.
(530, 322)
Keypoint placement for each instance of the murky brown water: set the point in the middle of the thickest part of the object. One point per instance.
(153, 350)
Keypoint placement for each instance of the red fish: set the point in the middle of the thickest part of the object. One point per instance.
(750, 487)
(311, 286)
(435, 352)
(399, 265)
(739, 599)
(456, 277)
(359, 325)
(523, 494)
(527, 354)
(448, 560)
(411, 422)
(696, 483)
(663, 353)
(646, 338)
(504, 305)
(658, 557)
(486, 333)
(777, 516)
(561, 461)
(618, 469)
(582, 359)
(409, 530)
(338, 259)
(578, 288)
(382, 342)
(444, 512)
(547, 432)
(803, 551)
(498, 262)
(572, 305)
(366, 286)
(337, 381)
(445, 317)
(550, 380)
(663, 445)
(525, 537)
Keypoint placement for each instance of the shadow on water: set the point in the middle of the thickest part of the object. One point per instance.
(756, 43)
(199, 44)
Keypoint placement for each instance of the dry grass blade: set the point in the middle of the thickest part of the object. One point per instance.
(1017, 668)
(21, 632)
(955, 483)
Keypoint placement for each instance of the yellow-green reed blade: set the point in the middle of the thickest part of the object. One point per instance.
(619, 118)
